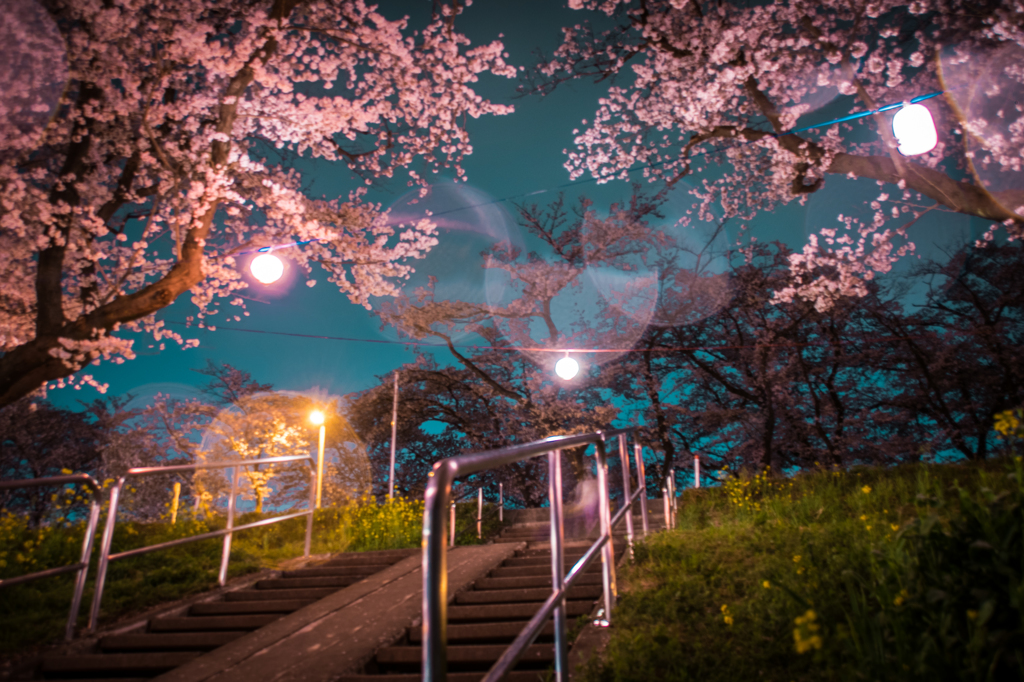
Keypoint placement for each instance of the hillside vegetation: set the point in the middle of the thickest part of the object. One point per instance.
(903, 573)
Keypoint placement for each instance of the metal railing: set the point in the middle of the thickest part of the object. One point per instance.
(82, 567)
(115, 494)
(435, 568)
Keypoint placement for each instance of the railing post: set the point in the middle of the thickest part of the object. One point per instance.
(696, 471)
(667, 505)
(435, 572)
(105, 541)
(672, 495)
(479, 513)
(313, 492)
(451, 526)
(90, 533)
(641, 481)
(222, 576)
(624, 458)
(501, 503)
(608, 551)
(558, 562)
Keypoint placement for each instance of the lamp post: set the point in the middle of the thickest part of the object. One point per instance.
(317, 417)
(394, 437)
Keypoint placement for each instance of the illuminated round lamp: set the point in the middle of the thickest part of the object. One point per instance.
(266, 268)
(567, 368)
(914, 130)
(317, 417)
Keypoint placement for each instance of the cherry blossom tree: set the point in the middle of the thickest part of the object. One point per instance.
(957, 363)
(719, 86)
(165, 159)
(37, 440)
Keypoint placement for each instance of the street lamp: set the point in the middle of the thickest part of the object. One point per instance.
(914, 128)
(317, 417)
(266, 268)
(567, 368)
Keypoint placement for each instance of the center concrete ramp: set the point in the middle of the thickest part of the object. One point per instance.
(340, 633)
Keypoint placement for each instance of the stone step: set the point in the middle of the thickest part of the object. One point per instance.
(524, 595)
(465, 653)
(384, 557)
(212, 623)
(337, 581)
(492, 612)
(169, 641)
(514, 676)
(102, 679)
(522, 562)
(317, 571)
(230, 608)
(570, 553)
(531, 581)
(505, 631)
(538, 570)
(118, 665)
(313, 593)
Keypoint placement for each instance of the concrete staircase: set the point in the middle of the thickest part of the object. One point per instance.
(485, 619)
(253, 634)
(168, 642)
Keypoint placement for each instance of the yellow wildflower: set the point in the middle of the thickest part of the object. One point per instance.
(805, 634)
(866, 489)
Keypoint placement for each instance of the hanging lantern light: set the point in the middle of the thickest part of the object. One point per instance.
(567, 368)
(266, 268)
(914, 130)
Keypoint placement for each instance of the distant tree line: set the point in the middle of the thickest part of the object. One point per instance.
(724, 368)
(237, 418)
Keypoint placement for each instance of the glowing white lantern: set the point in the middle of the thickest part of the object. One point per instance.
(914, 130)
(567, 368)
(267, 268)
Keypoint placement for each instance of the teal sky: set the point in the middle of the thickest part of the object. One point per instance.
(513, 155)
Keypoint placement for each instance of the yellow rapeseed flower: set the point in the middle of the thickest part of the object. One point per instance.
(866, 489)
(766, 584)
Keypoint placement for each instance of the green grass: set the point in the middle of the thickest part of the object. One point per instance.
(35, 613)
(877, 574)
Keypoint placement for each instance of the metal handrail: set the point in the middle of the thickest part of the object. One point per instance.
(115, 494)
(82, 567)
(435, 569)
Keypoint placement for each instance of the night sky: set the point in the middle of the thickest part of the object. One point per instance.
(513, 155)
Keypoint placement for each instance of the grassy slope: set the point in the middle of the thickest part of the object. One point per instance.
(907, 573)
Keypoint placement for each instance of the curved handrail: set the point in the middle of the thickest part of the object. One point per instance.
(435, 570)
(82, 567)
(115, 494)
